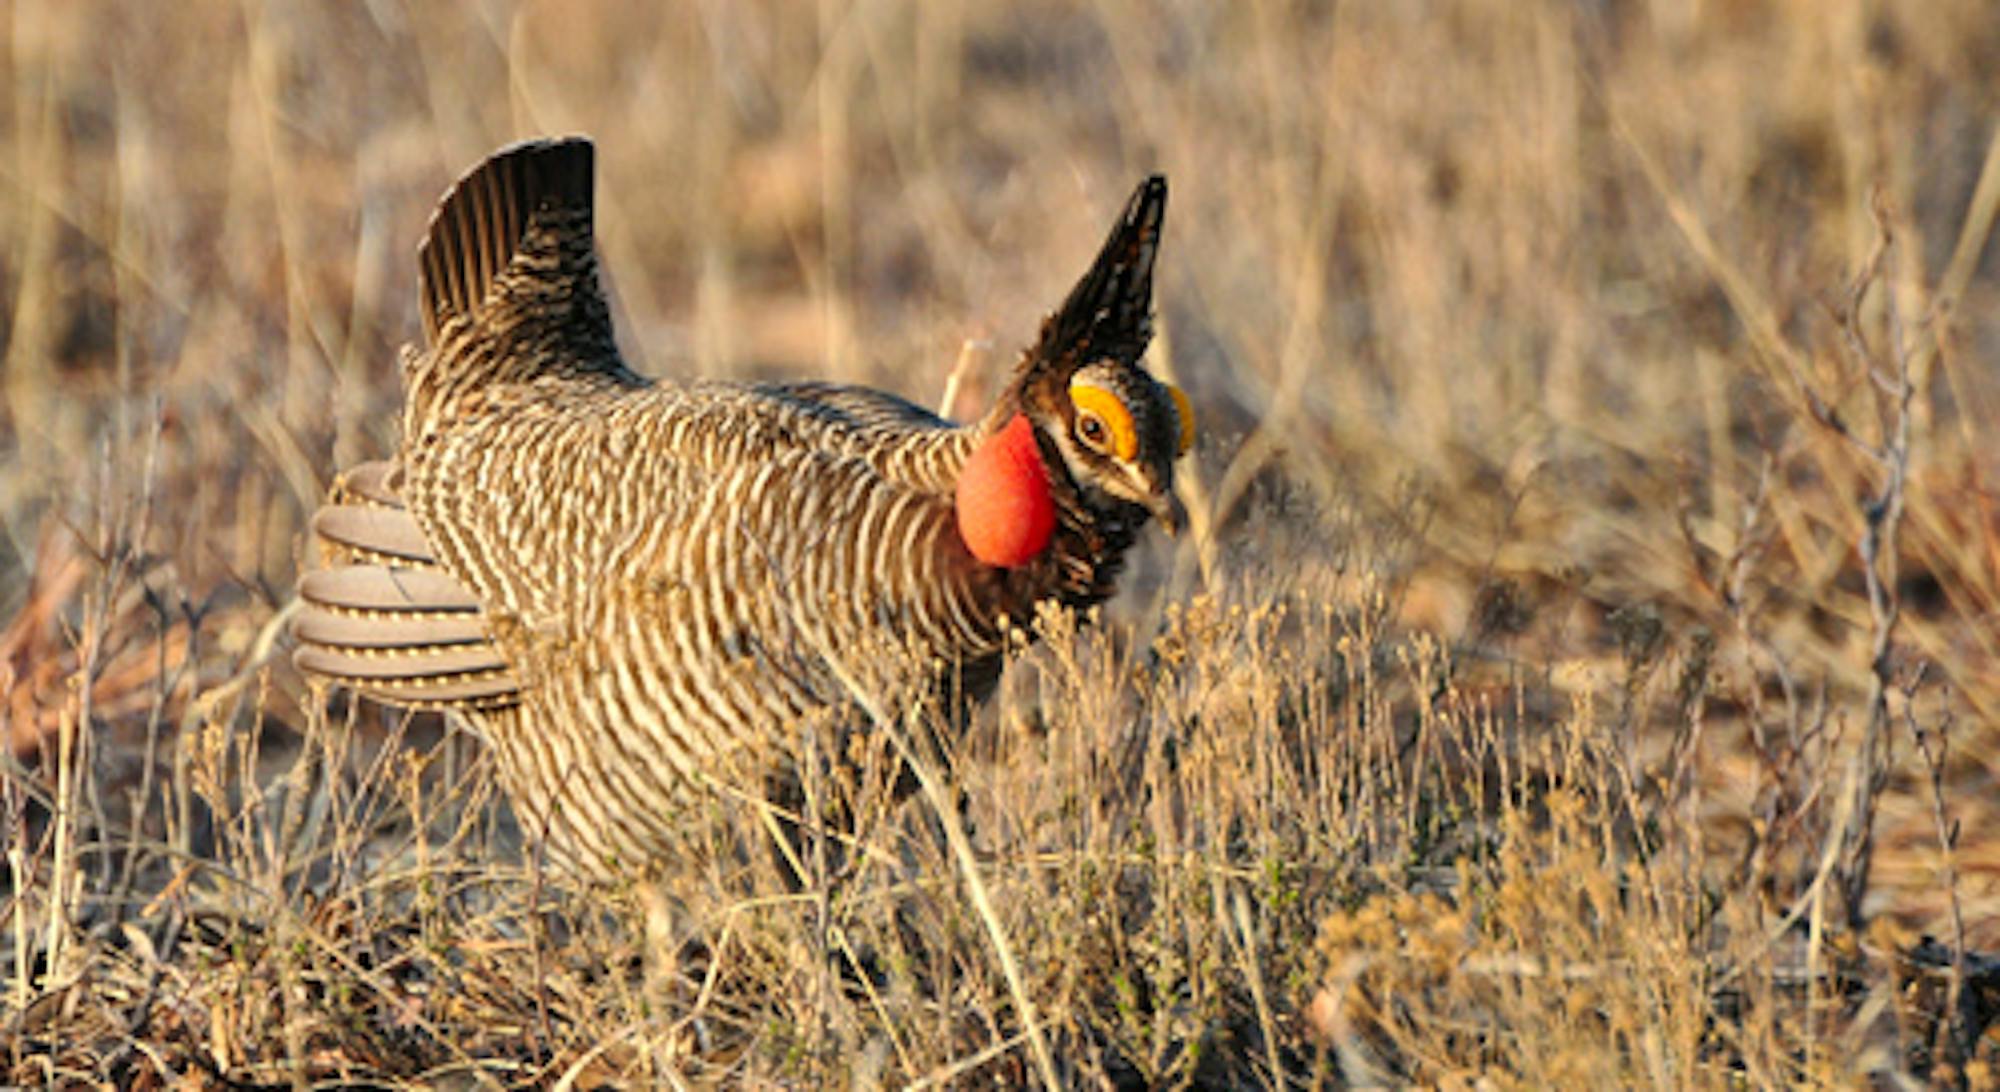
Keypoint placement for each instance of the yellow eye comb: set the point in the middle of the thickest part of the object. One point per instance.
(1110, 409)
(1185, 409)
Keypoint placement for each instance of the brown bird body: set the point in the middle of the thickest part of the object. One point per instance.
(631, 588)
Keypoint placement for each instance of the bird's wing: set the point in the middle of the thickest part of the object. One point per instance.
(857, 408)
(900, 440)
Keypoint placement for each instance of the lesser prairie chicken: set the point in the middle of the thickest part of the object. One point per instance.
(630, 588)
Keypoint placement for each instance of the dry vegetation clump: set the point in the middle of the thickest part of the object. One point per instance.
(1582, 671)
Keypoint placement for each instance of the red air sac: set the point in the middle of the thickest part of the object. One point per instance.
(1005, 513)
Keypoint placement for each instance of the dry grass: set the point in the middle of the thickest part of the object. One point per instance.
(1583, 673)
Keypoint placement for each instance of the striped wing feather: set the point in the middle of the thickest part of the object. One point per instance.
(861, 408)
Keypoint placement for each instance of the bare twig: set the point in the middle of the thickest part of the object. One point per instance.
(1883, 515)
(1934, 747)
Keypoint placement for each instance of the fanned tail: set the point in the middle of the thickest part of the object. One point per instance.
(482, 225)
(508, 270)
(382, 618)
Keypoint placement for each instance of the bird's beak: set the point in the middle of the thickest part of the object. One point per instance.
(1168, 510)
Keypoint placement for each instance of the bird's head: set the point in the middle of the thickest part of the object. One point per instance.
(1083, 423)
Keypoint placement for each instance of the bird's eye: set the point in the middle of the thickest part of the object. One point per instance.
(1091, 427)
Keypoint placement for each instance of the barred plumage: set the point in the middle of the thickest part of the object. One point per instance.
(630, 588)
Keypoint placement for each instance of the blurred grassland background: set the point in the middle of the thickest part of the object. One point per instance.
(1554, 362)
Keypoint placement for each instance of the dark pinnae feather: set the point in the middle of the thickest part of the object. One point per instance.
(1110, 311)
